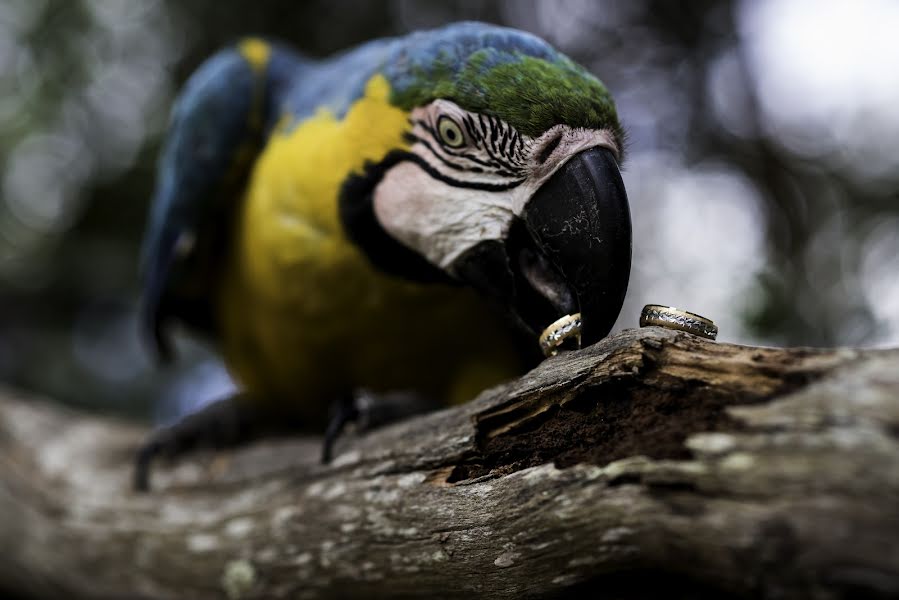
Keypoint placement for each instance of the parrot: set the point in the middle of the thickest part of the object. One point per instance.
(406, 216)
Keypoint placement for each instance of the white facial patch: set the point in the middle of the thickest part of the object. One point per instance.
(452, 194)
(436, 219)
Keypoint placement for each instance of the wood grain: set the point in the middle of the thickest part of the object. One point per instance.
(652, 463)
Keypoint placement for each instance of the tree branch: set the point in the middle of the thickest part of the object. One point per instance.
(717, 469)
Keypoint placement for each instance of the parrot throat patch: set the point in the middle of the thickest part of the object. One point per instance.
(356, 211)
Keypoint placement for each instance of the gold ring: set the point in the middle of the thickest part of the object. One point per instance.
(682, 320)
(563, 329)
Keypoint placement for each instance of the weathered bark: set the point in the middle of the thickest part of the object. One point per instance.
(650, 459)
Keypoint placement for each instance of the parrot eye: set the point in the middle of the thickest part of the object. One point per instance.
(450, 132)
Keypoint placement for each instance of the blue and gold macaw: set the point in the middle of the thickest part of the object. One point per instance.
(407, 215)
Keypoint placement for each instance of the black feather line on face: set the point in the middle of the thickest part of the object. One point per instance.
(496, 155)
(494, 133)
(415, 139)
(470, 127)
(504, 142)
(411, 138)
(473, 185)
(357, 214)
(497, 161)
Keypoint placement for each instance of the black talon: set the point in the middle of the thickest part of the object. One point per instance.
(343, 412)
(368, 411)
(171, 442)
(225, 423)
(142, 463)
(235, 421)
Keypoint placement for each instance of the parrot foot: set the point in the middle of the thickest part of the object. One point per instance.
(222, 424)
(367, 410)
(234, 421)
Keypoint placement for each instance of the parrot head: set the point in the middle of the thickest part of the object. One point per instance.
(509, 182)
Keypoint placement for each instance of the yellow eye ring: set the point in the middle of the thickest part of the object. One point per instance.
(450, 132)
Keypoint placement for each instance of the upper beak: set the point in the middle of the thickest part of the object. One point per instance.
(569, 252)
(580, 221)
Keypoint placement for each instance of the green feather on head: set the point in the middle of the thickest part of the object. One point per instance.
(510, 75)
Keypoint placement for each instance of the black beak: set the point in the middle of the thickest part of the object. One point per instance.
(570, 252)
(581, 222)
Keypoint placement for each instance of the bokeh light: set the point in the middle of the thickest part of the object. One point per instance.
(698, 241)
(824, 74)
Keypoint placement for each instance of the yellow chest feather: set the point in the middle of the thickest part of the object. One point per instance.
(304, 316)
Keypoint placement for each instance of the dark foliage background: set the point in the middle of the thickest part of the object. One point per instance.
(763, 169)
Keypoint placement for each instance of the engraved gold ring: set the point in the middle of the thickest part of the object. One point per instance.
(681, 320)
(561, 330)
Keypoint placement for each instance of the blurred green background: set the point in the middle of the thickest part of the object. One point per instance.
(763, 165)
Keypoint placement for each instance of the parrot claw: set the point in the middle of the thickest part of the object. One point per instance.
(367, 410)
(234, 421)
(225, 423)
(343, 413)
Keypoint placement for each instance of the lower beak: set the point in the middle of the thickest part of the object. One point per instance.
(580, 222)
